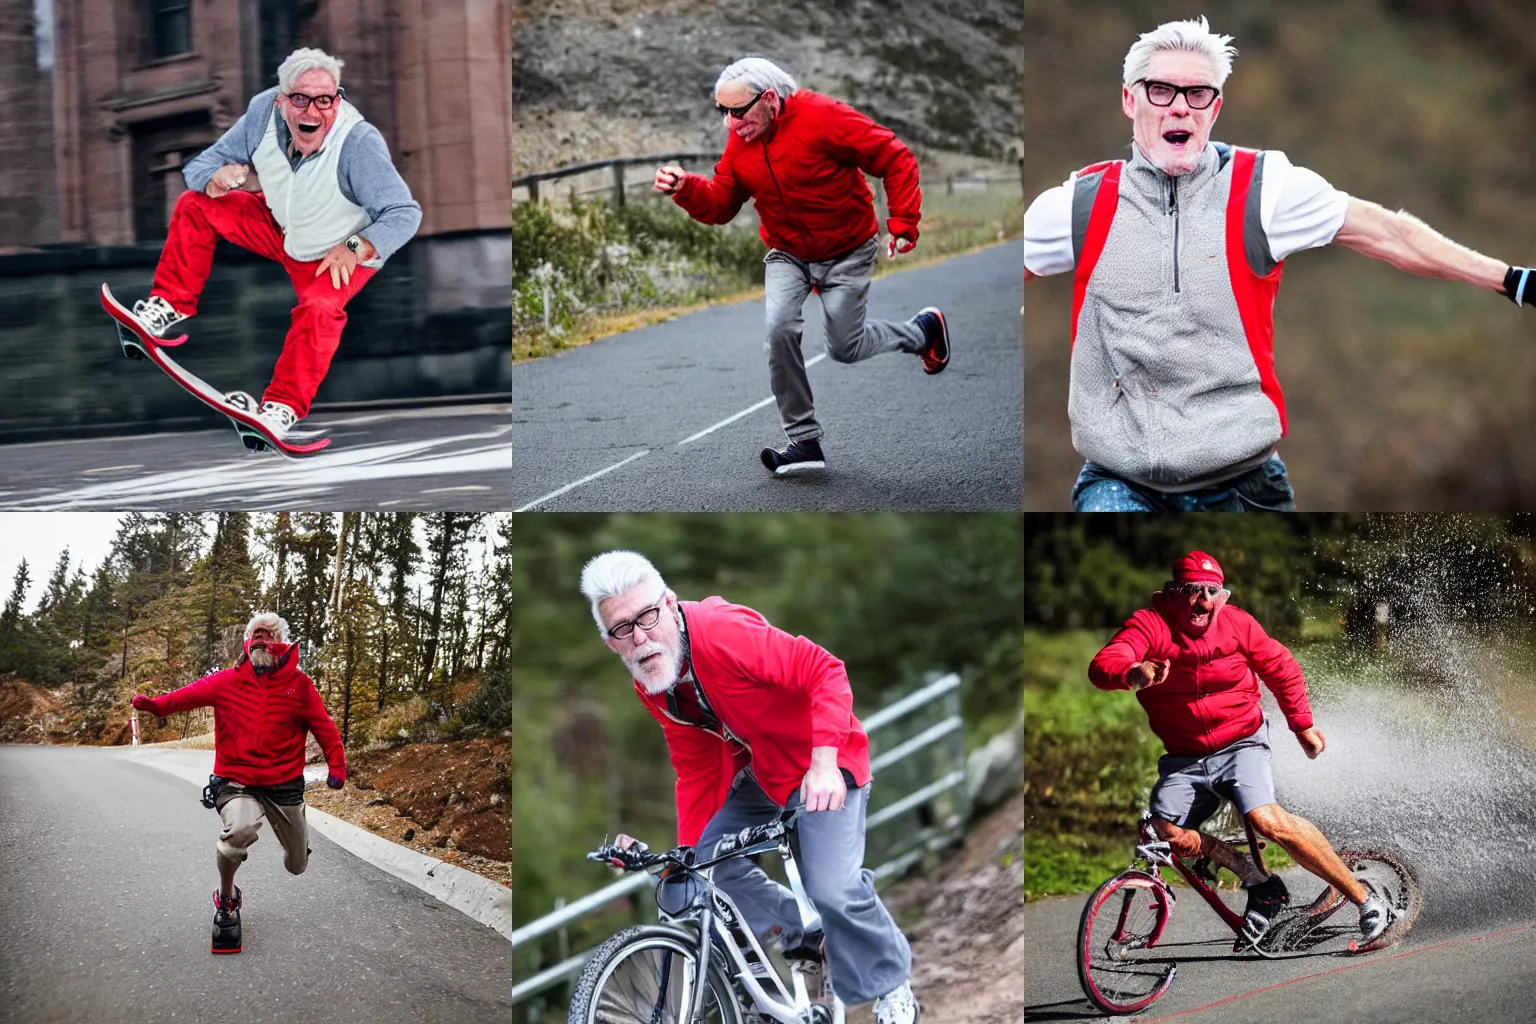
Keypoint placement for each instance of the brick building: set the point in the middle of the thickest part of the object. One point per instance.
(138, 87)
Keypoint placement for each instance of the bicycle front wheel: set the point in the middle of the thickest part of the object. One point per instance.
(648, 975)
(1116, 963)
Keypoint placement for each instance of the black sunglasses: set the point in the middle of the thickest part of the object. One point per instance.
(300, 100)
(1162, 94)
(740, 112)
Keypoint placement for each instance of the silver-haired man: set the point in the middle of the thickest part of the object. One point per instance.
(801, 157)
(261, 710)
(1177, 255)
(331, 208)
(757, 721)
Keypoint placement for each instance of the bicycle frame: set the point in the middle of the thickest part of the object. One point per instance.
(1157, 853)
(713, 912)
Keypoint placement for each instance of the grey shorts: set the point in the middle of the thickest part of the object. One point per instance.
(1190, 789)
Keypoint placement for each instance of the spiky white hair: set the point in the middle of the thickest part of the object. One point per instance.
(760, 74)
(306, 59)
(613, 573)
(1193, 36)
(272, 621)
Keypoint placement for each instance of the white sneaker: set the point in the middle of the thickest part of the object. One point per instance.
(1376, 916)
(156, 315)
(277, 418)
(898, 1006)
(244, 401)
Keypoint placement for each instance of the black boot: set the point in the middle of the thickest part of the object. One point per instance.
(1264, 901)
(226, 922)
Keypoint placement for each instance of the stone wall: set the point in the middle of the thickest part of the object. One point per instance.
(434, 323)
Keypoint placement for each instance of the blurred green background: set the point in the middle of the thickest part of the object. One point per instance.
(1321, 584)
(896, 597)
(1402, 393)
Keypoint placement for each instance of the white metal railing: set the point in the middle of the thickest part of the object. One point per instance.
(949, 731)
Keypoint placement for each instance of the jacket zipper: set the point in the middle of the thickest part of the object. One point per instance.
(1173, 210)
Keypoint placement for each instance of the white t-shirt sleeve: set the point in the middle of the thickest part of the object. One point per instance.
(1048, 231)
(1297, 207)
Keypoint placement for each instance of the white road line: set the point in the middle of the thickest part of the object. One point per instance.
(749, 410)
(466, 487)
(584, 480)
(113, 469)
(745, 412)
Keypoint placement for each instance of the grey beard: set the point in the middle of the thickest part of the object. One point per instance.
(261, 659)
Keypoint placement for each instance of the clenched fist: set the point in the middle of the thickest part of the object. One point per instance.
(669, 178)
(226, 179)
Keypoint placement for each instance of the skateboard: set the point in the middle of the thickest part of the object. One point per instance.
(138, 344)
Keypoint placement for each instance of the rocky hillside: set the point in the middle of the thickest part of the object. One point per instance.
(600, 78)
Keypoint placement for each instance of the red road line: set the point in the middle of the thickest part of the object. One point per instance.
(1339, 970)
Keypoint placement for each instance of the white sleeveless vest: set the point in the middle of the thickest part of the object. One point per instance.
(309, 206)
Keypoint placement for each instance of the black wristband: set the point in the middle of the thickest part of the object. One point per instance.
(1518, 285)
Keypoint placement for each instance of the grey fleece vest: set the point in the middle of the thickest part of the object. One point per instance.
(1165, 390)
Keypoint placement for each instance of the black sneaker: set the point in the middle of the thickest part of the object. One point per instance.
(806, 960)
(798, 457)
(1264, 902)
(226, 922)
(936, 355)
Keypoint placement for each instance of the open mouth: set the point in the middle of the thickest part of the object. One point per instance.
(1176, 138)
(308, 129)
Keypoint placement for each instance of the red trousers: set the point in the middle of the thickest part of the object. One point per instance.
(243, 218)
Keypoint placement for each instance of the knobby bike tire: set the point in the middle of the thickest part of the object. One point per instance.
(1111, 899)
(599, 968)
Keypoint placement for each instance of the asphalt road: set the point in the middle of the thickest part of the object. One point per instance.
(107, 869)
(673, 416)
(450, 457)
(1468, 971)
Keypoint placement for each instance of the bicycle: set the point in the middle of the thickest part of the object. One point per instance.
(648, 974)
(1122, 971)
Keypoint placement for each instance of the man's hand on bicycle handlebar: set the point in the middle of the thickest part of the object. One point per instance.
(1311, 741)
(1147, 673)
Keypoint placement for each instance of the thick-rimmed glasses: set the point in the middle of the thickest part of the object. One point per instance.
(1162, 94)
(740, 112)
(645, 620)
(1196, 589)
(302, 101)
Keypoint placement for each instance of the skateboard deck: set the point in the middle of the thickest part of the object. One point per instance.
(137, 344)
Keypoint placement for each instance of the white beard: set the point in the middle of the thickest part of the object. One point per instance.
(658, 675)
(261, 659)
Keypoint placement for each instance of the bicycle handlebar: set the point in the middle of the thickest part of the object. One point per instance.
(638, 856)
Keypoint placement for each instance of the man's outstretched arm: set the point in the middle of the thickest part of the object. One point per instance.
(1401, 239)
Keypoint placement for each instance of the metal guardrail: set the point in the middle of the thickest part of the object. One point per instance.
(949, 731)
(616, 165)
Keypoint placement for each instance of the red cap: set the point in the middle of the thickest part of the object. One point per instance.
(1197, 567)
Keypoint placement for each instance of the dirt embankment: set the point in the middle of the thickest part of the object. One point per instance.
(968, 948)
(446, 800)
(27, 712)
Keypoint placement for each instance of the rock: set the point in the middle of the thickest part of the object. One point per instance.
(995, 771)
(410, 834)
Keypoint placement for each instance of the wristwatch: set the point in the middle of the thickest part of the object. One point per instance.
(354, 243)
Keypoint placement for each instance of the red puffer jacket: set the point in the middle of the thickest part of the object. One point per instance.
(259, 721)
(805, 176)
(779, 695)
(1211, 696)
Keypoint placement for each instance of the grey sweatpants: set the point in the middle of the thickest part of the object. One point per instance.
(866, 951)
(241, 811)
(844, 288)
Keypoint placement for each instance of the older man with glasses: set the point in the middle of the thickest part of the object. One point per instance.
(331, 209)
(1176, 255)
(758, 721)
(1195, 662)
(801, 157)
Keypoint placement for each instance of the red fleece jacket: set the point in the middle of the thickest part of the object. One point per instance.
(780, 695)
(805, 176)
(259, 721)
(1211, 696)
